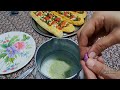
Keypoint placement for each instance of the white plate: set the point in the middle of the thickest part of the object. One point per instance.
(16, 50)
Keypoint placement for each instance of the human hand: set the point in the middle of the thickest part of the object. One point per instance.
(103, 23)
(96, 68)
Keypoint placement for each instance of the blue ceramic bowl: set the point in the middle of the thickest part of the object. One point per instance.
(58, 59)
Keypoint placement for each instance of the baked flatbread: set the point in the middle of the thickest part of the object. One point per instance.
(52, 23)
(82, 14)
(70, 16)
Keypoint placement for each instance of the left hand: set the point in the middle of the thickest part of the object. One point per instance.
(95, 68)
(90, 74)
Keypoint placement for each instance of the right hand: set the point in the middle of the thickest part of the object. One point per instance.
(103, 23)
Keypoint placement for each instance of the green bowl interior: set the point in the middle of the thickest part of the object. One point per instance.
(58, 59)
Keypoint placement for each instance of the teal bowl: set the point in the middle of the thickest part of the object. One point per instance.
(58, 59)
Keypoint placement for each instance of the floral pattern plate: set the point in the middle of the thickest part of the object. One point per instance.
(16, 50)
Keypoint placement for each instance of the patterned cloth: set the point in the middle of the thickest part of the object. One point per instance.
(22, 22)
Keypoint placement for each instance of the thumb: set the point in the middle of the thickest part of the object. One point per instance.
(102, 44)
(101, 69)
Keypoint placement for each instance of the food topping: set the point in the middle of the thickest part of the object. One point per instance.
(51, 19)
(69, 15)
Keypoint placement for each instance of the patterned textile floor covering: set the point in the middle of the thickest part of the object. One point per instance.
(22, 22)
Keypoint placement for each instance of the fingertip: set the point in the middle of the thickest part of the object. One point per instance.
(83, 51)
(82, 62)
(100, 77)
(92, 54)
(101, 59)
(91, 62)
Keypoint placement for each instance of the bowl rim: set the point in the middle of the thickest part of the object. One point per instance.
(42, 45)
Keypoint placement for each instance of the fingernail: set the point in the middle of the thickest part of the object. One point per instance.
(92, 55)
(90, 63)
(86, 57)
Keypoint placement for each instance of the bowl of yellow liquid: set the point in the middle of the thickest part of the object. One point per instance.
(58, 59)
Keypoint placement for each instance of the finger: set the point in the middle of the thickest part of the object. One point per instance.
(79, 32)
(87, 31)
(100, 59)
(102, 44)
(83, 51)
(101, 69)
(100, 77)
(91, 27)
(89, 74)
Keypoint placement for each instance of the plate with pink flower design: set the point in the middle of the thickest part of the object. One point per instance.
(16, 50)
